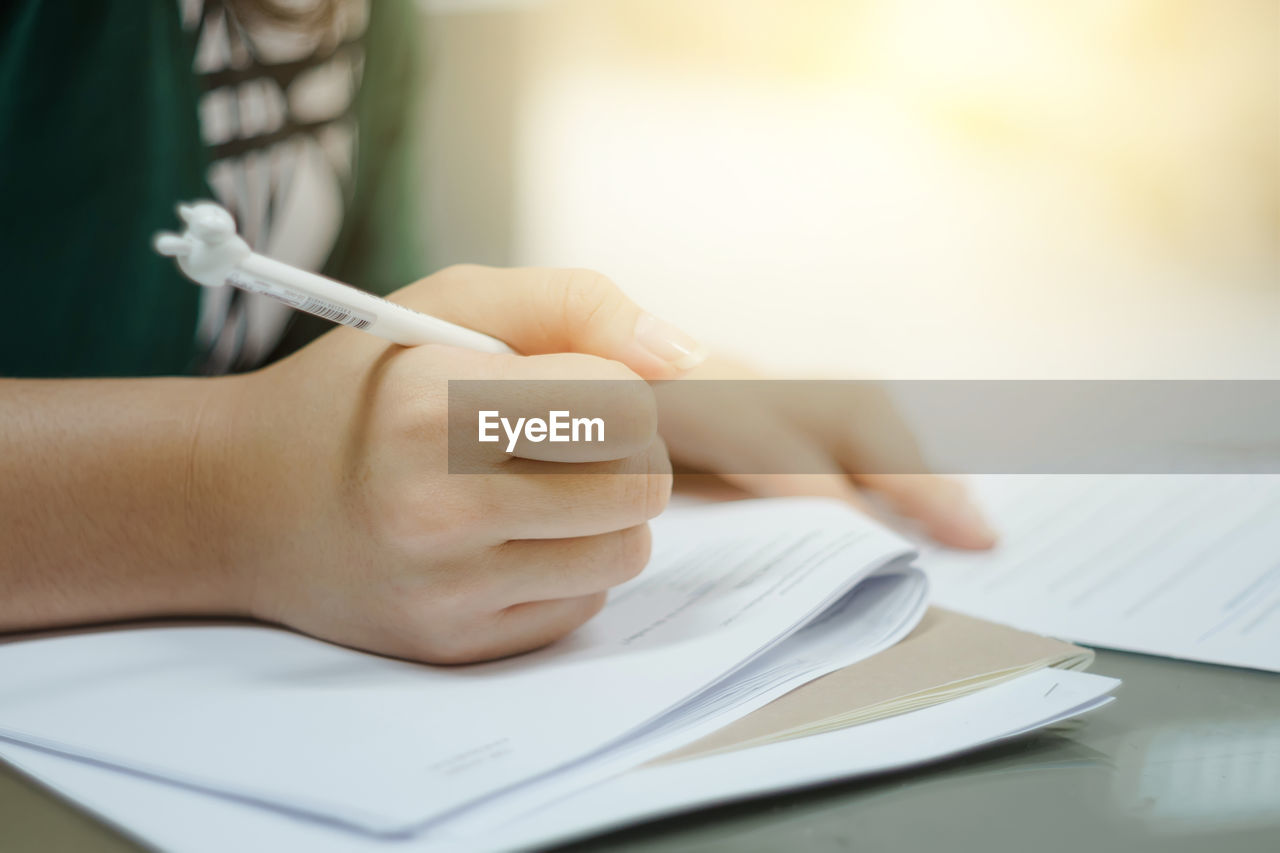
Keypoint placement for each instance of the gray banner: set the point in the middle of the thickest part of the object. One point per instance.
(874, 427)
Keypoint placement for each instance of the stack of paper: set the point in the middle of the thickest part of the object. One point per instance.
(739, 605)
(272, 735)
(1006, 705)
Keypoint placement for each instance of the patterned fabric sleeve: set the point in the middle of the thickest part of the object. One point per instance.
(308, 132)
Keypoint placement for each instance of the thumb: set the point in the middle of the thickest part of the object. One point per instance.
(540, 311)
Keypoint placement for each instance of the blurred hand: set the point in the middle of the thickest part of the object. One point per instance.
(731, 435)
(332, 468)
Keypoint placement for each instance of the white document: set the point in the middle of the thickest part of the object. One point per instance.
(1181, 566)
(186, 821)
(384, 745)
(876, 615)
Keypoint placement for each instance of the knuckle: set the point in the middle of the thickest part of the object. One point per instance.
(632, 413)
(643, 489)
(634, 546)
(412, 400)
(421, 520)
(658, 481)
(585, 296)
(426, 416)
(634, 497)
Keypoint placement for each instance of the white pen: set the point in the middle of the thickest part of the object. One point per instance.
(210, 252)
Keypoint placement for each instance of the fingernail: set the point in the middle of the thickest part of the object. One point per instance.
(668, 343)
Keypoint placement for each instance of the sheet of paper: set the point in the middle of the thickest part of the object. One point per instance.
(1181, 566)
(1014, 707)
(871, 619)
(186, 821)
(386, 745)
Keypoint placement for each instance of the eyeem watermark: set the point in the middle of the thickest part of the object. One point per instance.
(902, 427)
(559, 426)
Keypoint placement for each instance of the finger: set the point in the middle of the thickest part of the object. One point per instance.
(858, 422)
(541, 569)
(534, 624)
(942, 505)
(538, 500)
(835, 486)
(551, 310)
(773, 458)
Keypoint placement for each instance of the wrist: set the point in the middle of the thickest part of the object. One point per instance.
(220, 521)
(259, 491)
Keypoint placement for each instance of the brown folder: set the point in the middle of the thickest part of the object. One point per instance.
(948, 655)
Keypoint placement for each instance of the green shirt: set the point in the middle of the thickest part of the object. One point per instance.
(99, 140)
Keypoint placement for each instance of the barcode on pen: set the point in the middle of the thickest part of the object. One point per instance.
(336, 313)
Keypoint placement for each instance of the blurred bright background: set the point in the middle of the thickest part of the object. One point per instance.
(897, 188)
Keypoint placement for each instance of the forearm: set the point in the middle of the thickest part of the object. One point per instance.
(109, 508)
